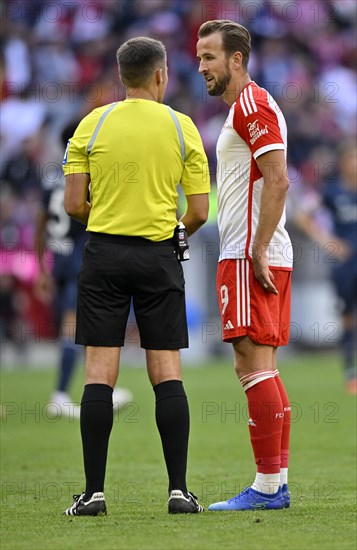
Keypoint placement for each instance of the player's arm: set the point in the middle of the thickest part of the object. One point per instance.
(75, 197)
(256, 121)
(40, 233)
(44, 286)
(196, 213)
(316, 233)
(272, 166)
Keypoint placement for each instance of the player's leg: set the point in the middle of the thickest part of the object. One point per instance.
(69, 350)
(254, 364)
(348, 347)
(251, 320)
(254, 367)
(285, 435)
(66, 272)
(66, 299)
(67, 361)
(344, 279)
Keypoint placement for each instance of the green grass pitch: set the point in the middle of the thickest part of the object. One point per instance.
(41, 466)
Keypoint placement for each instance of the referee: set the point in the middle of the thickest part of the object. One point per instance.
(129, 158)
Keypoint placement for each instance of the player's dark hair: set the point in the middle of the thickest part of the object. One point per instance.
(235, 37)
(138, 58)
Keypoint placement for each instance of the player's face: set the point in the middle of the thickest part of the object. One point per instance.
(214, 65)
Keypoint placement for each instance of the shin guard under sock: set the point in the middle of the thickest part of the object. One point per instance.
(265, 422)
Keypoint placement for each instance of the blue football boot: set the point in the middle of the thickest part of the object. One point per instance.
(286, 495)
(249, 499)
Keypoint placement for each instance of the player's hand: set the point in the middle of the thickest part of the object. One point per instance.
(262, 271)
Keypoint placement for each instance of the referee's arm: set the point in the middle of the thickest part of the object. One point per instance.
(75, 197)
(196, 213)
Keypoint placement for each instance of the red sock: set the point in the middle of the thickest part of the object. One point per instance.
(285, 436)
(265, 424)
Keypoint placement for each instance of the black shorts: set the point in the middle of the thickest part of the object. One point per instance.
(116, 270)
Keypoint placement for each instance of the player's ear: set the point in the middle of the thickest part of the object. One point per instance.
(236, 60)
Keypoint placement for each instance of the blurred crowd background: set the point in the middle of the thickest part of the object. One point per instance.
(58, 63)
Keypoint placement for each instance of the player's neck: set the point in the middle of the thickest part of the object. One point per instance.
(234, 89)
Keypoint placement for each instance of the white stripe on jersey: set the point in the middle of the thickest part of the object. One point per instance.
(248, 103)
(250, 110)
(252, 99)
(239, 324)
(241, 100)
(242, 271)
(243, 294)
(247, 283)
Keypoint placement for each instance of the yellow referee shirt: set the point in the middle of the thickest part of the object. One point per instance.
(136, 152)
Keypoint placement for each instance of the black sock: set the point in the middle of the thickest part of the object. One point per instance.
(173, 422)
(96, 423)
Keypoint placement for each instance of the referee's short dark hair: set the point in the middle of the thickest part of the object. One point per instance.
(138, 58)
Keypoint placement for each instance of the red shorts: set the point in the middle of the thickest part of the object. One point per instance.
(249, 310)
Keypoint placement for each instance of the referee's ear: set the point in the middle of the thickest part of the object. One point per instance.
(159, 75)
(161, 80)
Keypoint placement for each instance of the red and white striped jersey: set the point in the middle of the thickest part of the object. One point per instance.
(254, 125)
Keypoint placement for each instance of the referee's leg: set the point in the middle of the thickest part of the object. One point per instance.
(96, 418)
(172, 413)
